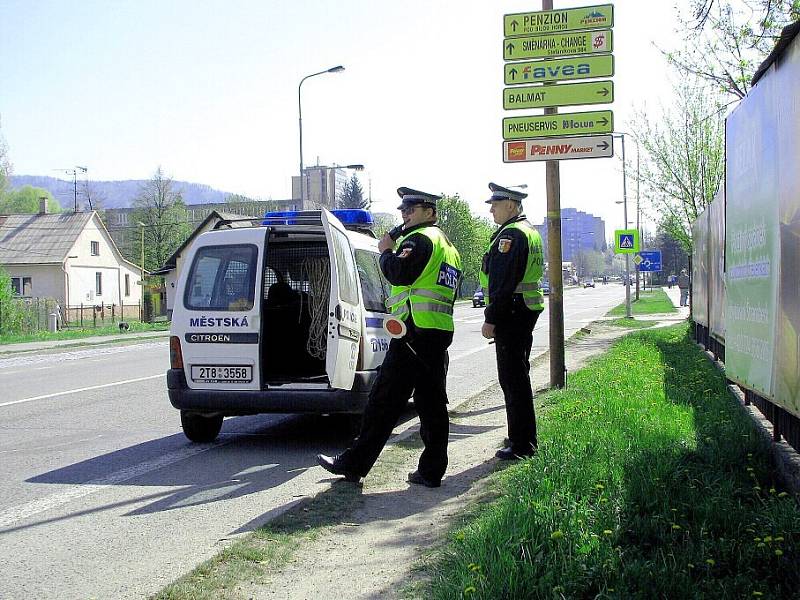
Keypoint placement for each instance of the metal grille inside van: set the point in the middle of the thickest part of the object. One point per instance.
(288, 263)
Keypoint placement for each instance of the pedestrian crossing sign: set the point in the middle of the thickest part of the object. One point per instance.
(626, 241)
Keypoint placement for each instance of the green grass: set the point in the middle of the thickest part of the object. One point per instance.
(629, 323)
(650, 302)
(77, 333)
(650, 482)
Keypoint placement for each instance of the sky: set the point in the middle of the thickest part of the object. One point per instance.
(209, 90)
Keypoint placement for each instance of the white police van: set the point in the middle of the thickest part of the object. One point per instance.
(282, 317)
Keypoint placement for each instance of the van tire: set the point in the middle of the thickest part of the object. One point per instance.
(200, 428)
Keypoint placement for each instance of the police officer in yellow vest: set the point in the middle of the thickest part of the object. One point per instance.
(510, 276)
(424, 272)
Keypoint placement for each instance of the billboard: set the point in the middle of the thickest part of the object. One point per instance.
(716, 266)
(700, 269)
(751, 240)
(786, 74)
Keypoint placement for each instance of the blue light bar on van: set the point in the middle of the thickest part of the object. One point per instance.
(353, 216)
(348, 216)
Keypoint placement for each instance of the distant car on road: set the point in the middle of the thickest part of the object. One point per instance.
(588, 283)
(478, 298)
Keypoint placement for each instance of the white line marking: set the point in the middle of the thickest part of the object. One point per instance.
(24, 511)
(470, 352)
(86, 389)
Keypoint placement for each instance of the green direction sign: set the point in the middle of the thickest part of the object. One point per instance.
(553, 21)
(563, 94)
(520, 128)
(626, 241)
(559, 44)
(559, 69)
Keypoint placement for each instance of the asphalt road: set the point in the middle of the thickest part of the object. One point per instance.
(102, 496)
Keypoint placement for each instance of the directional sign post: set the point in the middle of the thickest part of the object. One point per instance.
(626, 241)
(519, 128)
(559, 69)
(551, 21)
(650, 260)
(558, 44)
(566, 94)
(589, 146)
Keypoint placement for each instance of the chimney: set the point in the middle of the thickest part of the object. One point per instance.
(43, 205)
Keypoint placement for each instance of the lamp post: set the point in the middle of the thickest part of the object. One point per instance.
(336, 69)
(141, 280)
(625, 211)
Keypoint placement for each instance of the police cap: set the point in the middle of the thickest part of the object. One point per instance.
(411, 197)
(501, 193)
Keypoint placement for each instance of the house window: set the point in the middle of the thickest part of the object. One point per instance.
(98, 284)
(22, 286)
(127, 284)
(95, 248)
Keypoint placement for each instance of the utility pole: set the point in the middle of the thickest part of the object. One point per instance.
(556, 301)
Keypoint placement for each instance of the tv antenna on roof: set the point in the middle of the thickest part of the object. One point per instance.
(74, 173)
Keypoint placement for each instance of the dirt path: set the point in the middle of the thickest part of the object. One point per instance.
(373, 553)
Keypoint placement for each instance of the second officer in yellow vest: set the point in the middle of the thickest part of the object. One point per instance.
(424, 272)
(510, 276)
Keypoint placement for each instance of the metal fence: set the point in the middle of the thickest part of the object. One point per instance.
(30, 315)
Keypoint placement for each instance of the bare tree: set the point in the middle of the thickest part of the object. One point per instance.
(724, 41)
(162, 211)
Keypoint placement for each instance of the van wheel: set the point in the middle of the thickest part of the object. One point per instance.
(200, 428)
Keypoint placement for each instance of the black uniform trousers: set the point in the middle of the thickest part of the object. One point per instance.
(513, 340)
(402, 373)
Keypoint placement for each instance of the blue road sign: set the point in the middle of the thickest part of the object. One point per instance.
(651, 260)
(626, 241)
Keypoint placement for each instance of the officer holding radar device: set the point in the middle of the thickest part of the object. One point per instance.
(510, 275)
(424, 272)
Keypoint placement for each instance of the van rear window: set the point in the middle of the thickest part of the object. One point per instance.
(222, 278)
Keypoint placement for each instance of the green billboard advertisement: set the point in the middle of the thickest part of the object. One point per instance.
(700, 268)
(787, 361)
(751, 244)
(716, 265)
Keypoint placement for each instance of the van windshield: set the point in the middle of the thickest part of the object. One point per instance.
(222, 278)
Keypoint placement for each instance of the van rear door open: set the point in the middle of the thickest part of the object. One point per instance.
(344, 309)
(221, 296)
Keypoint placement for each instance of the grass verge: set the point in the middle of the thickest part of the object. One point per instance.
(629, 323)
(650, 482)
(73, 334)
(650, 302)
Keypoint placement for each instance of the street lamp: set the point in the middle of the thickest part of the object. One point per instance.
(336, 69)
(141, 280)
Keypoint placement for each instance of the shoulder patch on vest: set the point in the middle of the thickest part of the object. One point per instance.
(504, 245)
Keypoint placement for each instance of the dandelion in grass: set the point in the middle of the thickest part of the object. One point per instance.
(756, 539)
(779, 538)
(676, 527)
(710, 562)
(778, 552)
(607, 532)
(768, 538)
(772, 490)
(761, 545)
(557, 535)
(690, 565)
(599, 486)
(782, 495)
(469, 590)
(757, 593)
(474, 567)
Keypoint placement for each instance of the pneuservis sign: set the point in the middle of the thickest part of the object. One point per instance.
(553, 21)
(520, 128)
(589, 146)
